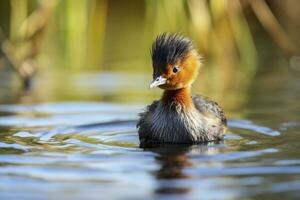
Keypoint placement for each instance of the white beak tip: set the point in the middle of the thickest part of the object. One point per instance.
(158, 81)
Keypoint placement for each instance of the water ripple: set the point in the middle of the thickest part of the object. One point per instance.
(249, 125)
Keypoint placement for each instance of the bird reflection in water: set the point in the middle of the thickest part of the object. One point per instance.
(173, 160)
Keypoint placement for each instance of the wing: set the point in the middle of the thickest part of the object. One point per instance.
(207, 106)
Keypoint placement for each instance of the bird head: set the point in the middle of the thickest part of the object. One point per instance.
(175, 62)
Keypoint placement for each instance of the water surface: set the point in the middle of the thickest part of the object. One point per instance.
(71, 146)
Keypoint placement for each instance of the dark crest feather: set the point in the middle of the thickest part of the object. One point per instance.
(169, 48)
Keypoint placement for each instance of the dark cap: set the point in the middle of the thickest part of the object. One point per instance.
(168, 48)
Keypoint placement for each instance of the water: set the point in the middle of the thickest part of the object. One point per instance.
(81, 143)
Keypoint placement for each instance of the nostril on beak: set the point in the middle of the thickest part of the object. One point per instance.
(158, 81)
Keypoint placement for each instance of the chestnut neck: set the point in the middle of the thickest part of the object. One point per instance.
(181, 96)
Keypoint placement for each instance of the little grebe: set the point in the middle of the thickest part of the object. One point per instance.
(179, 117)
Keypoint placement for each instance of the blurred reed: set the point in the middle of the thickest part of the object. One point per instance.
(23, 45)
(116, 35)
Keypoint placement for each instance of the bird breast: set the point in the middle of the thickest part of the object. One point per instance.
(177, 123)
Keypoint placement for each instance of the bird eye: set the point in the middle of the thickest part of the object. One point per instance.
(175, 70)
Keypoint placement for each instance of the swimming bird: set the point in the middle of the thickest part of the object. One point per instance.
(177, 117)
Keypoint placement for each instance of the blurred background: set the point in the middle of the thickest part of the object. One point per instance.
(98, 50)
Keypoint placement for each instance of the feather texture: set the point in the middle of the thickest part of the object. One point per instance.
(175, 123)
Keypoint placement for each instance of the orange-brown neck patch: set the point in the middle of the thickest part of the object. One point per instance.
(182, 96)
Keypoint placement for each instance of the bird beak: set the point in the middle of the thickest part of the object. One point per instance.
(158, 81)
